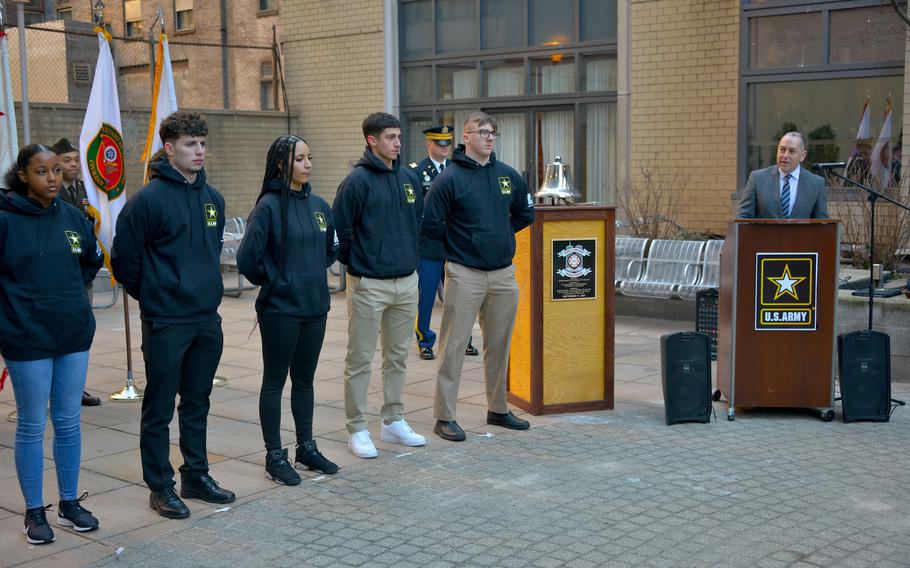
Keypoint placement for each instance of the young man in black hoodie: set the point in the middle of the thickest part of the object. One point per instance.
(166, 254)
(475, 207)
(377, 218)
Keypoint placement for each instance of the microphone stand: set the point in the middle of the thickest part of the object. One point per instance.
(873, 197)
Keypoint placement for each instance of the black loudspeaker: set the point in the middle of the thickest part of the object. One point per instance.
(686, 376)
(864, 375)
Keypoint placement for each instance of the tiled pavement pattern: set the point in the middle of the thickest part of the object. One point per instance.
(615, 488)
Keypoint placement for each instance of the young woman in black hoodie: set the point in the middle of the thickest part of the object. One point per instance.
(46, 329)
(288, 244)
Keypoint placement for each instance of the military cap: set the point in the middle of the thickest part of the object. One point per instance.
(442, 135)
(63, 146)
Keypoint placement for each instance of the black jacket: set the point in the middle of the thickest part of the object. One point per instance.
(167, 250)
(47, 259)
(477, 210)
(430, 249)
(377, 217)
(300, 292)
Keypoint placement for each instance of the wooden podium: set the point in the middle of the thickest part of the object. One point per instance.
(776, 320)
(562, 346)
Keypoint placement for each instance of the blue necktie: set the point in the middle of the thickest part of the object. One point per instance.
(785, 197)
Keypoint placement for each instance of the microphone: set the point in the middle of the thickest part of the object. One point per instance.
(828, 166)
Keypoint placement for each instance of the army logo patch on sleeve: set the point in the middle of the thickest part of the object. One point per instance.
(505, 185)
(320, 220)
(75, 242)
(785, 291)
(410, 193)
(211, 215)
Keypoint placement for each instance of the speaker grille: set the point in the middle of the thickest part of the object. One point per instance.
(864, 369)
(686, 376)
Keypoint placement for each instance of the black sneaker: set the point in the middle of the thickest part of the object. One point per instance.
(72, 514)
(309, 457)
(36, 529)
(278, 468)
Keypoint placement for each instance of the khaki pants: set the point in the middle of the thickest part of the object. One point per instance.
(374, 306)
(494, 294)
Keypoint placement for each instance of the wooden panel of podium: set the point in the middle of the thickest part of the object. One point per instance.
(776, 319)
(562, 346)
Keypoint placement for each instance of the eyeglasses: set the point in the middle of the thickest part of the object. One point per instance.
(485, 134)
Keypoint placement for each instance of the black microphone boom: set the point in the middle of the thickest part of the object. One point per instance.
(828, 166)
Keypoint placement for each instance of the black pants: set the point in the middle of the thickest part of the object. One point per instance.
(179, 359)
(293, 346)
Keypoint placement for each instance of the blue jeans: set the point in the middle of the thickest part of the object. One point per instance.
(59, 380)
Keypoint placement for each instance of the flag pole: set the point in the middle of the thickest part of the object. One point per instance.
(129, 393)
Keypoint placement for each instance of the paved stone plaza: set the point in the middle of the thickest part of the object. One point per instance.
(614, 488)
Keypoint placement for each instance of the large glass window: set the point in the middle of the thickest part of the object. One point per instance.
(183, 12)
(792, 40)
(598, 20)
(417, 28)
(511, 146)
(553, 75)
(555, 136)
(132, 15)
(599, 138)
(855, 54)
(862, 34)
(417, 84)
(832, 127)
(599, 73)
(415, 148)
(504, 78)
(456, 25)
(457, 81)
(546, 69)
(552, 22)
(502, 23)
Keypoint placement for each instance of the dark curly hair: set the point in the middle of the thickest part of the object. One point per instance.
(11, 177)
(183, 122)
(374, 124)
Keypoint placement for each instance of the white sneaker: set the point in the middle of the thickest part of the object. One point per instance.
(399, 432)
(361, 445)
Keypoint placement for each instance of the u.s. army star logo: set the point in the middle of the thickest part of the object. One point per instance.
(320, 220)
(75, 241)
(410, 193)
(785, 291)
(505, 185)
(211, 215)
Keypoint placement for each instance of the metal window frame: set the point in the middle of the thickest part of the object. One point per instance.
(826, 71)
(528, 103)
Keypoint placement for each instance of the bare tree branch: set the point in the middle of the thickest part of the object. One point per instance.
(900, 14)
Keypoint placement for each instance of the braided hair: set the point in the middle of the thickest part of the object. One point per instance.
(279, 165)
(11, 177)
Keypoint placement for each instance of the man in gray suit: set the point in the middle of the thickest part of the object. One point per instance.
(785, 191)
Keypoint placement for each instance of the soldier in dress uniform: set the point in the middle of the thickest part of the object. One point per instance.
(432, 254)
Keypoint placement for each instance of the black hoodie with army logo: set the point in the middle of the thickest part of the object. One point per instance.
(377, 217)
(299, 291)
(476, 210)
(167, 250)
(48, 257)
